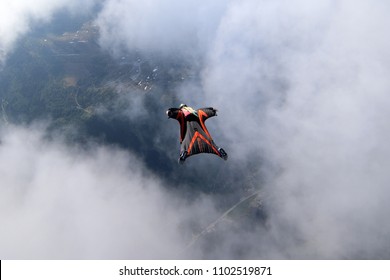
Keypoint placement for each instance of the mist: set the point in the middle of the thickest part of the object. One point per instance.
(308, 86)
(69, 202)
(180, 28)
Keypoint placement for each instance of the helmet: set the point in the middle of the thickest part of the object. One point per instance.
(182, 105)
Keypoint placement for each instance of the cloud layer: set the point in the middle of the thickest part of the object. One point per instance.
(309, 90)
(62, 202)
(165, 27)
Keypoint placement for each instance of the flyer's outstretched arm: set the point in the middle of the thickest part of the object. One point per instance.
(207, 112)
(176, 113)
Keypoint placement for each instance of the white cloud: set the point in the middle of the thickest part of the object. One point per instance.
(61, 202)
(164, 27)
(306, 84)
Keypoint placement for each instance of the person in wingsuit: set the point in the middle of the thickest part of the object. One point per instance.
(194, 136)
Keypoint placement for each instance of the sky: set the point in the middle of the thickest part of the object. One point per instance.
(302, 89)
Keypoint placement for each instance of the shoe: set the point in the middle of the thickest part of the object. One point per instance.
(223, 154)
(182, 157)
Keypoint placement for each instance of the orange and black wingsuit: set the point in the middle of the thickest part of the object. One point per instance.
(194, 136)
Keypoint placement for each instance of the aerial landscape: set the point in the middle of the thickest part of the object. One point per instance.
(89, 159)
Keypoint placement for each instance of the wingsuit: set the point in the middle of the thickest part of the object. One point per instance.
(194, 136)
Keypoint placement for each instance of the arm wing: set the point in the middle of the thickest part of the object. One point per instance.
(175, 113)
(207, 112)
